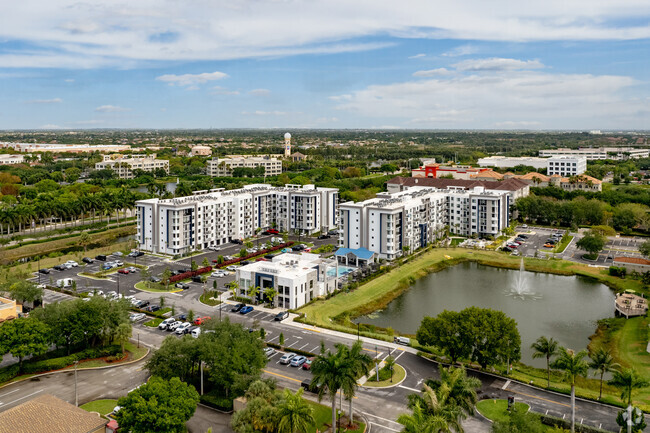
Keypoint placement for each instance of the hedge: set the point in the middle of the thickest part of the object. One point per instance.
(190, 274)
(218, 402)
(566, 424)
(251, 255)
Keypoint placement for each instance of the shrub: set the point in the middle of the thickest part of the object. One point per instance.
(216, 401)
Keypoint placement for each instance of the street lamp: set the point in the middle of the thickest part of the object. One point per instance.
(376, 363)
(358, 338)
(76, 399)
(39, 270)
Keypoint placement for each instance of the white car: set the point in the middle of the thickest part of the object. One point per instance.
(72, 263)
(218, 274)
(119, 263)
(232, 268)
(96, 293)
(67, 265)
(137, 316)
(180, 330)
(173, 326)
(163, 325)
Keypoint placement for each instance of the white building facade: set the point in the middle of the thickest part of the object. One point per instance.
(566, 165)
(599, 153)
(124, 166)
(296, 278)
(508, 162)
(225, 166)
(11, 159)
(210, 218)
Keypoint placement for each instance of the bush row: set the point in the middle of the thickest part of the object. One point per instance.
(251, 255)
(190, 274)
(290, 349)
(566, 424)
(218, 402)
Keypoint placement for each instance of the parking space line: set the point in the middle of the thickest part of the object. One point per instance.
(295, 342)
(302, 347)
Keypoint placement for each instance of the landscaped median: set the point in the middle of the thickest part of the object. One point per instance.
(386, 380)
(156, 288)
(102, 407)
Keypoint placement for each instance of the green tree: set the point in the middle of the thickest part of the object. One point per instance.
(84, 240)
(122, 334)
(23, 291)
(24, 337)
(603, 362)
(269, 294)
(253, 291)
(261, 412)
(519, 421)
(438, 409)
(205, 263)
(295, 415)
(573, 366)
(356, 364)
(591, 243)
(419, 421)
(72, 174)
(190, 316)
(627, 379)
(158, 405)
(175, 358)
(545, 348)
(281, 339)
(327, 371)
(644, 248)
(162, 301)
(165, 276)
(193, 265)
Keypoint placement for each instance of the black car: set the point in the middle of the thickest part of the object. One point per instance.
(237, 307)
(142, 304)
(190, 329)
(87, 260)
(44, 271)
(324, 237)
(153, 308)
(182, 271)
(523, 236)
(281, 315)
(269, 256)
(265, 233)
(308, 386)
(154, 279)
(197, 279)
(237, 241)
(136, 254)
(101, 257)
(59, 268)
(245, 262)
(183, 317)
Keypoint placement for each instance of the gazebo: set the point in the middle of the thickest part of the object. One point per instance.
(355, 257)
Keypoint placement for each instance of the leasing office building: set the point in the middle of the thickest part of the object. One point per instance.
(210, 218)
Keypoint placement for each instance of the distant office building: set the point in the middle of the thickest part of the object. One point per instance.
(296, 278)
(62, 148)
(125, 165)
(508, 162)
(566, 165)
(225, 166)
(210, 218)
(599, 153)
(201, 151)
(438, 171)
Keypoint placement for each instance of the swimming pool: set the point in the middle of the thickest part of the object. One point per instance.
(343, 270)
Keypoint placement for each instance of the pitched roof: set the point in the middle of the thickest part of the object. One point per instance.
(504, 185)
(632, 260)
(362, 253)
(488, 173)
(48, 414)
(534, 174)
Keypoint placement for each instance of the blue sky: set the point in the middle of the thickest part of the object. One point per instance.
(335, 64)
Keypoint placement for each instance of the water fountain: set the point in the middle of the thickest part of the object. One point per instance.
(520, 290)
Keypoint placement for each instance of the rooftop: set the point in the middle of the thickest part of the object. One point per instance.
(504, 185)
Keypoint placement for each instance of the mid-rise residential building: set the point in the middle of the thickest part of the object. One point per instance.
(566, 165)
(599, 153)
(508, 162)
(201, 151)
(209, 218)
(225, 166)
(295, 278)
(124, 166)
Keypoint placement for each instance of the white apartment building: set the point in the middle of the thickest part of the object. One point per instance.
(507, 162)
(124, 166)
(566, 165)
(225, 166)
(296, 278)
(209, 218)
(596, 153)
(11, 159)
(416, 217)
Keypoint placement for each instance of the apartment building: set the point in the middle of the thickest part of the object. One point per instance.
(566, 165)
(124, 166)
(225, 166)
(477, 211)
(209, 218)
(296, 278)
(438, 170)
(599, 153)
(63, 148)
(514, 187)
(11, 159)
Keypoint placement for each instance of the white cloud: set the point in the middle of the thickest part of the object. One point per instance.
(462, 50)
(69, 33)
(259, 92)
(432, 73)
(218, 90)
(111, 109)
(497, 64)
(505, 99)
(45, 101)
(69, 80)
(191, 80)
(417, 56)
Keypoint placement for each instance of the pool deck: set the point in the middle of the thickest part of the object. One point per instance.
(630, 305)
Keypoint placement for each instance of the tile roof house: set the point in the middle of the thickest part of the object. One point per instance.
(48, 414)
(516, 187)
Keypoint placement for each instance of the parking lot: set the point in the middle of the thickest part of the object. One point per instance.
(534, 244)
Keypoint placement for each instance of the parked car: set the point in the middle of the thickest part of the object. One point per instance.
(324, 237)
(118, 254)
(181, 327)
(273, 231)
(307, 364)
(201, 320)
(281, 316)
(195, 332)
(182, 286)
(237, 307)
(298, 361)
(182, 270)
(237, 241)
(402, 340)
(155, 279)
(44, 271)
(232, 268)
(524, 226)
(190, 329)
(165, 323)
(119, 263)
(137, 316)
(522, 236)
(142, 304)
(72, 263)
(269, 351)
(64, 283)
(307, 385)
(218, 274)
(197, 279)
(87, 260)
(547, 245)
(153, 308)
(182, 317)
(261, 259)
(247, 309)
(123, 271)
(59, 267)
(112, 294)
(136, 254)
(287, 357)
(174, 326)
(101, 258)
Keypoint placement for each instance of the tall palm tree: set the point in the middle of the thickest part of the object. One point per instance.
(419, 421)
(357, 364)
(326, 372)
(545, 348)
(462, 389)
(295, 415)
(628, 379)
(603, 362)
(437, 405)
(573, 366)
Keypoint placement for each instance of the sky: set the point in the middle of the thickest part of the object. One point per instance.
(420, 64)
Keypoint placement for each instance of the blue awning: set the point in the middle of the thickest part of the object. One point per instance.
(361, 253)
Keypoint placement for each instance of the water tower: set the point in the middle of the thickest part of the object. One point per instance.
(287, 145)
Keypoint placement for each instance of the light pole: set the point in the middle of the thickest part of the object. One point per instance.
(201, 364)
(76, 399)
(358, 337)
(39, 270)
(220, 305)
(376, 363)
(118, 286)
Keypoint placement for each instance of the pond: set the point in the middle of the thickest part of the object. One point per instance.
(563, 307)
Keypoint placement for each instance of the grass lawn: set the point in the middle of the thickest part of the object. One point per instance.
(563, 244)
(497, 410)
(398, 375)
(208, 300)
(103, 407)
(156, 288)
(153, 323)
(134, 353)
(323, 415)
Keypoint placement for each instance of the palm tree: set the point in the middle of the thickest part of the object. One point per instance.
(437, 405)
(603, 362)
(326, 372)
(421, 422)
(357, 363)
(462, 389)
(573, 366)
(628, 379)
(545, 348)
(294, 413)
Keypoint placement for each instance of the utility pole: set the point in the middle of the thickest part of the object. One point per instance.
(201, 365)
(76, 397)
(377, 363)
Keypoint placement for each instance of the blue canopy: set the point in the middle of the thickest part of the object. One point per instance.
(361, 253)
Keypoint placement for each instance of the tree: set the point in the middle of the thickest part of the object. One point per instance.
(644, 248)
(193, 265)
(573, 366)
(357, 363)
(281, 339)
(628, 379)
(545, 348)
(24, 337)
(158, 405)
(418, 421)
(261, 412)
(84, 240)
(603, 362)
(294, 413)
(435, 404)
(269, 294)
(165, 276)
(327, 371)
(175, 358)
(205, 263)
(591, 243)
(519, 421)
(23, 291)
(122, 334)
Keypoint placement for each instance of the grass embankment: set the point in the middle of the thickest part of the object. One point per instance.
(68, 244)
(323, 416)
(398, 375)
(102, 407)
(497, 410)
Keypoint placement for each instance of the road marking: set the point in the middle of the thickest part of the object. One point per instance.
(506, 384)
(22, 398)
(410, 389)
(378, 417)
(300, 348)
(10, 392)
(268, 341)
(282, 376)
(386, 427)
(397, 357)
(540, 398)
(293, 343)
(315, 349)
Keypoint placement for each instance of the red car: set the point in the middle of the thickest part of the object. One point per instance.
(215, 261)
(199, 320)
(273, 231)
(261, 259)
(307, 364)
(123, 271)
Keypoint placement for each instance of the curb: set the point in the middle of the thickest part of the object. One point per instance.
(388, 386)
(67, 369)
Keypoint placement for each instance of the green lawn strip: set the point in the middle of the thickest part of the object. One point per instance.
(323, 415)
(102, 407)
(566, 240)
(497, 410)
(133, 354)
(153, 323)
(398, 375)
(156, 288)
(208, 300)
